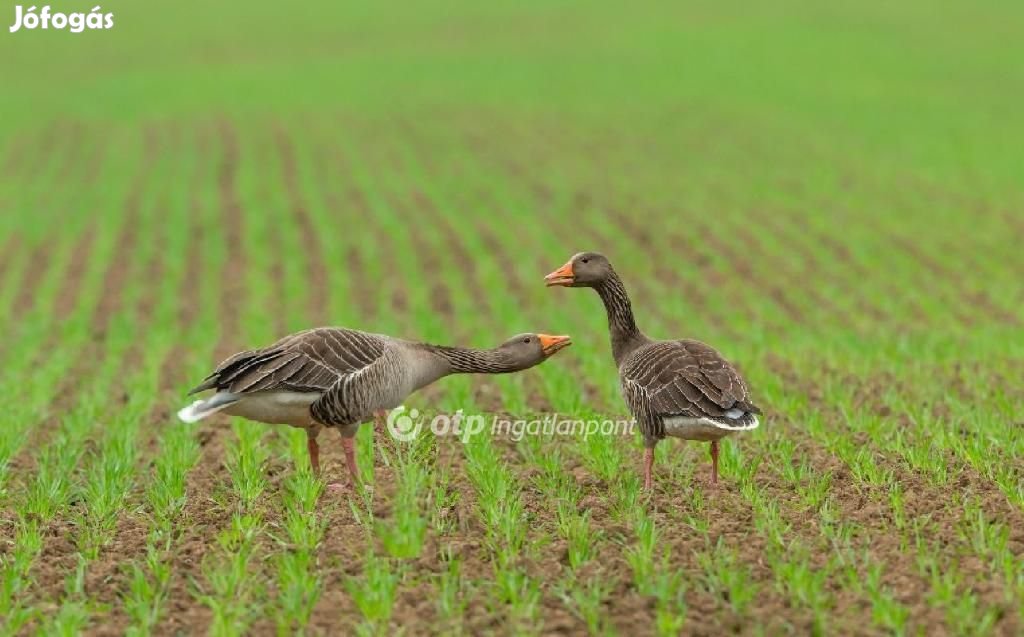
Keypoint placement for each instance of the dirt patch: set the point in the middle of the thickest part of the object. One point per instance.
(745, 268)
(797, 282)
(188, 309)
(867, 506)
(116, 273)
(426, 209)
(316, 269)
(71, 285)
(11, 247)
(189, 303)
(275, 306)
(463, 261)
(692, 288)
(233, 272)
(109, 576)
(975, 298)
(859, 272)
(440, 297)
(631, 612)
(38, 265)
(517, 285)
(59, 554)
(910, 248)
(361, 292)
(484, 396)
(119, 270)
(15, 155)
(466, 264)
(45, 145)
(953, 290)
(342, 552)
(350, 205)
(152, 271)
(74, 134)
(95, 165)
(731, 525)
(195, 531)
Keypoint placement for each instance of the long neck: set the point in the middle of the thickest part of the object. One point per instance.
(622, 327)
(467, 360)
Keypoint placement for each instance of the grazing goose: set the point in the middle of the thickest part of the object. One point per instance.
(681, 388)
(336, 377)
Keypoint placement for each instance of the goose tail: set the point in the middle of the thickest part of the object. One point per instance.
(738, 420)
(207, 407)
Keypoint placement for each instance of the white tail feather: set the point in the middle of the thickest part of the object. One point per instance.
(704, 428)
(203, 408)
(751, 425)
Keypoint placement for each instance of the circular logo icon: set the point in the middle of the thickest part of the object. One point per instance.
(402, 426)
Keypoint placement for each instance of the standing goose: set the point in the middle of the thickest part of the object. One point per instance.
(337, 377)
(680, 388)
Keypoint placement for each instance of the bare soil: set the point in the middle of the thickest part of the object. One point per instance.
(316, 268)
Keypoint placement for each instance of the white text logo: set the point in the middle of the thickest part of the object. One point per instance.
(74, 22)
(405, 426)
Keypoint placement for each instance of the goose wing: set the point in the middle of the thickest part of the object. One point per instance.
(684, 378)
(354, 397)
(309, 361)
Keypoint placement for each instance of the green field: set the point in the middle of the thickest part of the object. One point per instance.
(831, 196)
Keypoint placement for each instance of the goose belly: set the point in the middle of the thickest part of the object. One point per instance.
(695, 429)
(276, 407)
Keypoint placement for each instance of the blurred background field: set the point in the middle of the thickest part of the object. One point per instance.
(829, 195)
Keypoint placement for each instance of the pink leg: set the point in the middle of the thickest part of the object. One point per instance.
(714, 462)
(349, 445)
(314, 454)
(350, 458)
(648, 464)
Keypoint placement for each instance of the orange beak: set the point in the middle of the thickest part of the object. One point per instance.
(551, 344)
(562, 276)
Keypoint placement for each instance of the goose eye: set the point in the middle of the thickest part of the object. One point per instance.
(585, 260)
(526, 340)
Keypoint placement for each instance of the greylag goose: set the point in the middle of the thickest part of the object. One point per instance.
(336, 377)
(682, 388)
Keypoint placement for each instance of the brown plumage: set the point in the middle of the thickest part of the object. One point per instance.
(311, 360)
(337, 377)
(681, 388)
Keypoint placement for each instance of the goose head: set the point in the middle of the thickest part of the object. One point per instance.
(526, 350)
(586, 269)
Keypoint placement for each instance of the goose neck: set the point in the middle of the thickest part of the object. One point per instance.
(625, 335)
